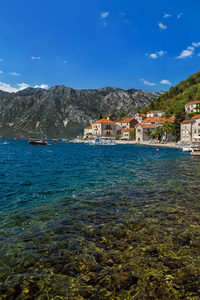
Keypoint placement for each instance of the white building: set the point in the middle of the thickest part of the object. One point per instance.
(190, 130)
(155, 113)
(192, 107)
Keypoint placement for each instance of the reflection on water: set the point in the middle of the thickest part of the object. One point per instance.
(81, 222)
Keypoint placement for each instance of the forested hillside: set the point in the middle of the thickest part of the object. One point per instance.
(173, 101)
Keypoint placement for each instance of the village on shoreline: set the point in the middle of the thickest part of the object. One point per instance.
(150, 129)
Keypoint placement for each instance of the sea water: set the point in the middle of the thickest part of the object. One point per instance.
(98, 222)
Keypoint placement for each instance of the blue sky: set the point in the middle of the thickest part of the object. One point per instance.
(149, 45)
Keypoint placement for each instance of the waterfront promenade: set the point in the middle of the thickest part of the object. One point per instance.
(148, 143)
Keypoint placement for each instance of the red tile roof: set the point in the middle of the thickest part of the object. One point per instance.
(187, 121)
(127, 130)
(146, 125)
(88, 127)
(194, 102)
(153, 120)
(117, 120)
(142, 115)
(126, 120)
(103, 121)
(196, 117)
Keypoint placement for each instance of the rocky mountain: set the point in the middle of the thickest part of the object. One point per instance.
(64, 112)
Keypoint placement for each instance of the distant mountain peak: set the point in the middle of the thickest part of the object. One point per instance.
(62, 111)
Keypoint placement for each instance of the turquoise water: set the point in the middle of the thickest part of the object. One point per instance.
(110, 222)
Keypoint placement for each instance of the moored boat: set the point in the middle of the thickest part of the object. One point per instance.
(191, 148)
(102, 141)
(34, 141)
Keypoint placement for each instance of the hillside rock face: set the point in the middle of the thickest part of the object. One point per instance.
(64, 112)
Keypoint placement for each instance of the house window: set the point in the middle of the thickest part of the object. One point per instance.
(138, 130)
(183, 131)
(108, 127)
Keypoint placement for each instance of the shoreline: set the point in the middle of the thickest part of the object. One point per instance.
(167, 144)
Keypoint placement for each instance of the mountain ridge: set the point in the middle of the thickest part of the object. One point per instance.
(63, 111)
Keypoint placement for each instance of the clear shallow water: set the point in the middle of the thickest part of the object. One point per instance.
(86, 222)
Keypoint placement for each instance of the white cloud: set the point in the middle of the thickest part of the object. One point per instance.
(166, 16)
(157, 54)
(198, 54)
(104, 15)
(1, 72)
(153, 55)
(179, 15)
(148, 83)
(7, 88)
(34, 57)
(196, 44)
(165, 81)
(10, 89)
(187, 53)
(15, 74)
(162, 26)
(161, 53)
(23, 86)
(42, 86)
(0, 59)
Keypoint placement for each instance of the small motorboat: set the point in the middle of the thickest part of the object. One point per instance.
(191, 148)
(102, 141)
(34, 141)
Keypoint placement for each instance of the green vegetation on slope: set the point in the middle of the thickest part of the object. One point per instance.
(173, 101)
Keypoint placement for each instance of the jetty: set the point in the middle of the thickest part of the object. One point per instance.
(195, 153)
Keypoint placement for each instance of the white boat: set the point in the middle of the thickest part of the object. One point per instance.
(102, 142)
(191, 148)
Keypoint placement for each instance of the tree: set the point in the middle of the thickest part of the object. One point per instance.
(118, 136)
(167, 127)
(122, 115)
(148, 132)
(132, 134)
(157, 132)
(175, 130)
